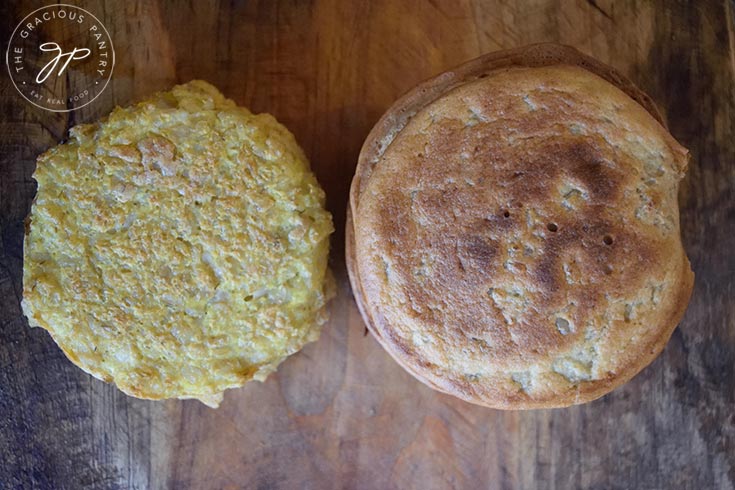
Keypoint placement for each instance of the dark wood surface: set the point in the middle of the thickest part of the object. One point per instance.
(342, 414)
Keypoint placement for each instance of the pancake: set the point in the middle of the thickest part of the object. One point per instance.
(514, 232)
(178, 247)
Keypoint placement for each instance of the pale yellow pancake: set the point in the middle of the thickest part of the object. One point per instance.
(178, 247)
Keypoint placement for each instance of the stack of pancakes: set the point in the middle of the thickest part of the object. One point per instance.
(513, 231)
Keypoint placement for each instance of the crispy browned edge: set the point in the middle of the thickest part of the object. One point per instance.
(412, 102)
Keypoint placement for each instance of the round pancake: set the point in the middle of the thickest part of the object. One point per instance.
(515, 235)
(179, 247)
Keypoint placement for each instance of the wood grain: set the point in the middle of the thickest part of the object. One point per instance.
(342, 414)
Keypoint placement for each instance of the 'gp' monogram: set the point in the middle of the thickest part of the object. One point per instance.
(48, 69)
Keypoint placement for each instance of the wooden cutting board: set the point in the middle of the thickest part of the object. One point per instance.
(342, 414)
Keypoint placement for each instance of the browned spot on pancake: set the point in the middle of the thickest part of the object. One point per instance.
(584, 162)
(408, 351)
(575, 161)
(478, 251)
(503, 220)
(596, 257)
(466, 385)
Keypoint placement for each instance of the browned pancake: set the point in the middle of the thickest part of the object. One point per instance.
(516, 232)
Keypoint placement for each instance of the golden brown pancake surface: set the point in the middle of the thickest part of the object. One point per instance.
(516, 242)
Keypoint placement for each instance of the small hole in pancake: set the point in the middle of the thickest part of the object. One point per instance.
(484, 75)
(563, 325)
(552, 227)
(506, 214)
(608, 240)
(608, 270)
